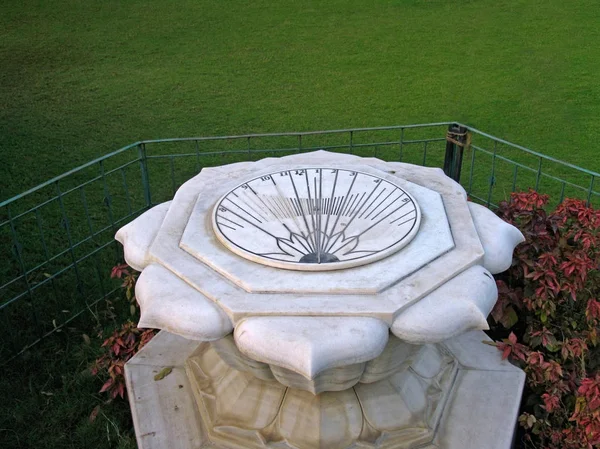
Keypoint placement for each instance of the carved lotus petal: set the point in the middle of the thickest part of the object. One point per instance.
(404, 408)
(231, 401)
(137, 236)
(498, 238)
(401, 411)
(332, 379)
(167, 302)
(231, 355)
(336, 415)
(459, 305)
(310, 345)
(396, 356)
(237, 405)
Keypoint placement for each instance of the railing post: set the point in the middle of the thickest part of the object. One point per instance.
(457, 138)
(144, 169)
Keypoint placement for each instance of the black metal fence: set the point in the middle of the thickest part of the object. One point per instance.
(57, 239)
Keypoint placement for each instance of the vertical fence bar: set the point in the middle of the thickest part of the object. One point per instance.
(538, 176)
(144, 170)
(590, 190)
(400, 156)
(91, 229)
(351, 142)
(45, 246)
(492, 180)
(172, 169)
(197, 156)
(69, 238)
(17, 246)
(108, 201)
(514, 183)
(472, 170)
(41, 230)
(126, 187)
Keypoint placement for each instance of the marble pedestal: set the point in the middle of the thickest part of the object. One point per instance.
(320, 301)
(473, 405)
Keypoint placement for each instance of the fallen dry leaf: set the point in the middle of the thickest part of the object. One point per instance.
(163, 373)
(94, 414)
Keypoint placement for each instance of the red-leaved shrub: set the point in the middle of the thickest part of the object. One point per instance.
(124, 342)
(549, 305)
(129, 276)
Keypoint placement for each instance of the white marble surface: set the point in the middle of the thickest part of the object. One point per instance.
(377, 277)
(311, 362)
(137, 236)
(432, 241)
(402, 410)
(395, 357)
(498, 238)
(165, 415)
(476, 406)
(432, 289)
(167, 302)
(310, 345)
(461, 304)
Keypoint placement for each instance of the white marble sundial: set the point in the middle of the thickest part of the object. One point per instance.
(316, 219)
(370, 356)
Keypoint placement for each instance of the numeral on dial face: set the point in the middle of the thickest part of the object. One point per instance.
(316, 218)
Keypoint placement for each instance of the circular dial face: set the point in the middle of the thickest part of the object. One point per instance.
(316, 219)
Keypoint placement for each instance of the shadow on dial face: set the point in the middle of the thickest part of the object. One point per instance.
(319, 258)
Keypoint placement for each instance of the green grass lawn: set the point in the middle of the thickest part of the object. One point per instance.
(79, 79)
(48, 394)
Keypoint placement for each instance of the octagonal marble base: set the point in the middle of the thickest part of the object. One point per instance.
(479, 410)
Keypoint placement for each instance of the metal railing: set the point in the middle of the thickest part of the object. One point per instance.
(57, 239)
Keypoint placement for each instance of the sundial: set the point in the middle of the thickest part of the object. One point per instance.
(237, 272)
(316, 219)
